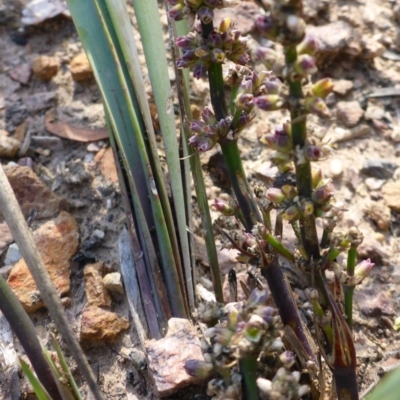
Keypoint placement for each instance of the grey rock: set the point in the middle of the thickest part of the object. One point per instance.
(349, 112)
(39, 101)
(380, 169)
(374, 302)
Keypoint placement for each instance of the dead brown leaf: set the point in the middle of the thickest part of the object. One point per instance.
(64, 129)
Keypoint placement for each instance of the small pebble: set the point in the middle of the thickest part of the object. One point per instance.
(93, 147)
(380, 237)
(109, 204)
(99, 234)
(13, 255)
(88, 158)
(336, 168)
(113, 283)
(374, 183)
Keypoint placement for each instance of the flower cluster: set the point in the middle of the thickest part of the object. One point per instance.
(208, 132)
(284, 385)
(361, 271)
(221, 44)
(246, 330)
(286, 199)
(181, 9)
(262, 89)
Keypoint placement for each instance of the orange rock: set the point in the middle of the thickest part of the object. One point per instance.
(105, 159)
(80, 68)
(57, 242)
(32, 194)
(96, 293)
(100, 324)
(45, 67)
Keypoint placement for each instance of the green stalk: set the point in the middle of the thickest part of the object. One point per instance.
(240, 185)
(26, 333)
(302, 165)
(147, 15)
(279, 247)
(180, 29)
(349, 290)
(248, 368)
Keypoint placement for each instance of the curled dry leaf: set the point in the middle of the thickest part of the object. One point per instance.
(59, 126)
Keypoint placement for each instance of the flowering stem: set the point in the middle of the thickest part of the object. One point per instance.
(283, 297)
(279, 247)
(248, 368)
(303, 167)
(239, 182)
(230, 148)
(349, 290)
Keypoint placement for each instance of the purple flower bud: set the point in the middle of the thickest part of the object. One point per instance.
(292, 213)
(307, 208)
(246, 86)
(322, 88)
(267, 313)
(309, 45)
(323, 194)
(217, 56)
(267, 56)
(214, 40)
(245, 102)
(289, 191)
(284, 143)
(316, 105)
(187, 41)
(205, 144)
(208, 116)
(177, 12)
(205, 15)
(305, 65)
(222, 336)
(197, 368)
(269, 102)
(200, 69)
(240, 58)
(272, 85)
(197, 126)
(224, 208)
(269, 140)
(258, 298)
(243, 121)
(362, 270)
(287, 358)
(223, 125)
(194, 140)
(313, 153)
(266, 26)
(210, 131)
(275, 195)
